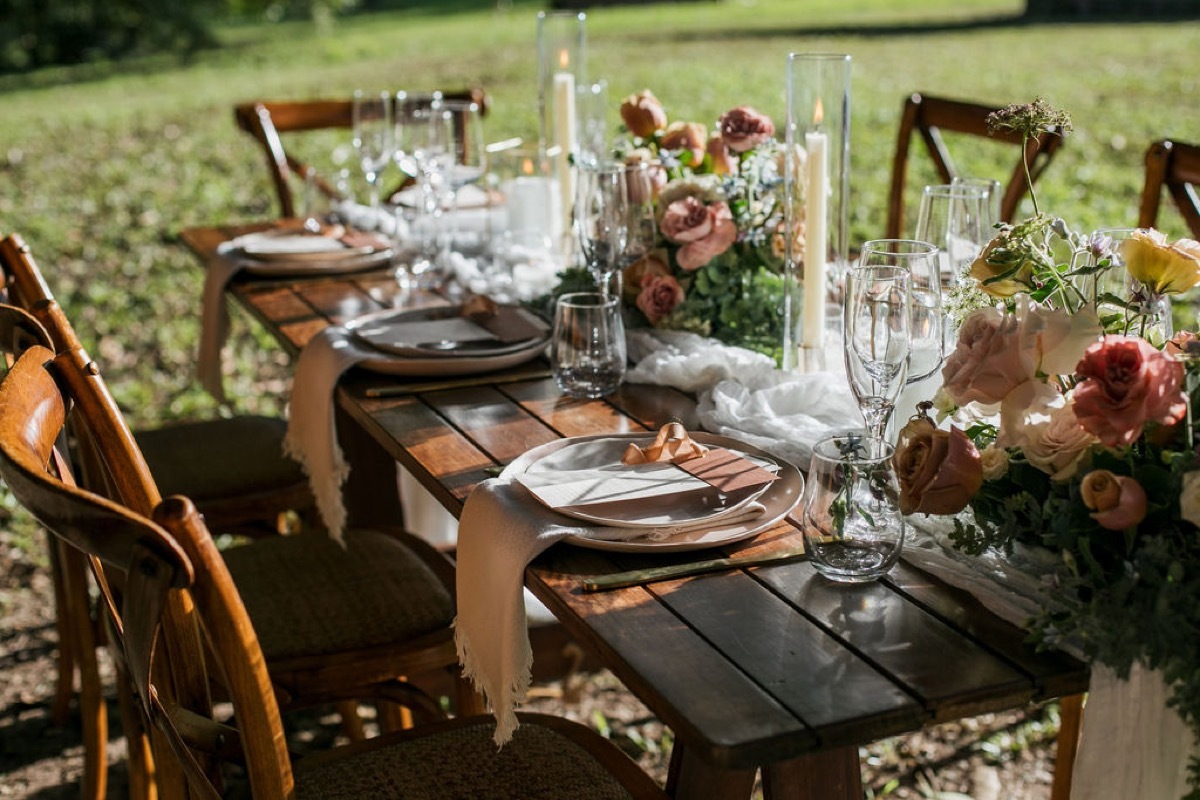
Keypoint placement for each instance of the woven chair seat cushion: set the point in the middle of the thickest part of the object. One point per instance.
(308, 596)
(463, 763)
(219, 458)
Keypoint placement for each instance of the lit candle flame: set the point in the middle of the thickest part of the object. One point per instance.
(527, 166)
(564, 59)
(818, 113)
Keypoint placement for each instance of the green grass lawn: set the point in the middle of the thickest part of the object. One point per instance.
(101, 167)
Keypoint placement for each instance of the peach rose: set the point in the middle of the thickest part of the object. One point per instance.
(644, 178)
(659, 296)
(643, 114)
(705, 231)
(1182, 343)
(990, 359)
(1117, 502)
(998, 259)
(690, 137)
(1124, 384)
(744, 129)
(721, 159)
(939, 471)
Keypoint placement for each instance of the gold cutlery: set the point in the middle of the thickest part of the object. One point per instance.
(634, 577)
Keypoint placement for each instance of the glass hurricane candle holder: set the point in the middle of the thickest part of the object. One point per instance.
(816, 187)
(562, 70)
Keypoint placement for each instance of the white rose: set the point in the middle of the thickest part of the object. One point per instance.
(995, 462)
(1059, 338)
(1189, 498)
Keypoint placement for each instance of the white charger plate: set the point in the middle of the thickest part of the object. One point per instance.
(778, 499)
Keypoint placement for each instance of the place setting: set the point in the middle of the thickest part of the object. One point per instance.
(668, 491)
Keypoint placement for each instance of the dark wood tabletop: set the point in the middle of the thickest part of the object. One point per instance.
(769, 667)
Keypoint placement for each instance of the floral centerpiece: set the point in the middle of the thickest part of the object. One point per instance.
(717, 191)
(1073, 431)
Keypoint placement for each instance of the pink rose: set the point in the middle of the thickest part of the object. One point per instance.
(1125, 384)
(659, 296)
(634, 276)
(721, 159)
(644, 178)
(1181, 343)
(705, 231)
(938, 471)
(643, 114)
(744, 129)
(990, 359)
(690, 137)
(1117, 501)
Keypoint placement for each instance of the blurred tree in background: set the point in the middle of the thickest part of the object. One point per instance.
(38, 33)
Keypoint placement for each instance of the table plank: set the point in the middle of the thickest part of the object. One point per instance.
(825, 684)
(1054, 673)
(950, 675)
(727, 720)
(499, 426)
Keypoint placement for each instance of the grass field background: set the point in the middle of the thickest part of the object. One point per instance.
(101, 166)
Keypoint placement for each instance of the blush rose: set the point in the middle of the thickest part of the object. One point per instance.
(744, 129)
(705, 231)
(990, 359)
(659, 296)
(643, 114)
(1125, 383)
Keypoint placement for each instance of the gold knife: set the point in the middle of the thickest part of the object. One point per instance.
(634, 577)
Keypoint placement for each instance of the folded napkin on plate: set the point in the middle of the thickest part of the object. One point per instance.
(214, 314)
(502, 529)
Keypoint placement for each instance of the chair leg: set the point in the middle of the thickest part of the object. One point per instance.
(142, 785)
(60, 710)
(93, 711)
(352, 724)
(1070, 723)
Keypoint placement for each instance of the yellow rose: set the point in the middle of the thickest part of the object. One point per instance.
(1163, 268)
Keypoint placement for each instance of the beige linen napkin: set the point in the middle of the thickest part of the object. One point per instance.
(214, 322)
(311, 435)
(502, 529)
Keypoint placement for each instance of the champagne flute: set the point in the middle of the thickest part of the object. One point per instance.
(928, 332)
(878, 331)
(641, 181)
(602, 220)
(373, 136)
(465, 157)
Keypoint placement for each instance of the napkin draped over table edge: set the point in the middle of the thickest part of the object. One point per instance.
(502, 529)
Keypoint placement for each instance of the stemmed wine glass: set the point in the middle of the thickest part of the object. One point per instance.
(373, 136)
(878, 331)
(956, 218)
(463, 161)
(927, 346)
(602, 219)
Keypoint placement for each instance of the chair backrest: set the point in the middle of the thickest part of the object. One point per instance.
(176, 619)
(928, 117)
(26, 288)
(266, 120)
(1176, 166)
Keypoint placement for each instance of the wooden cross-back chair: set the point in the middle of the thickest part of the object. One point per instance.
(180, 627)
(927, 117)
(266, 120)
(337, 624)
(1174, 166)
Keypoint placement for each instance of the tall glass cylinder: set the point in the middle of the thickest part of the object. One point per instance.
(562, 70)
(817, 186)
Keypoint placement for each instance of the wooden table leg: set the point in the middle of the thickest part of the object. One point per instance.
(371, 493)
(689, 778)
(1070, 723)
(828, 775)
